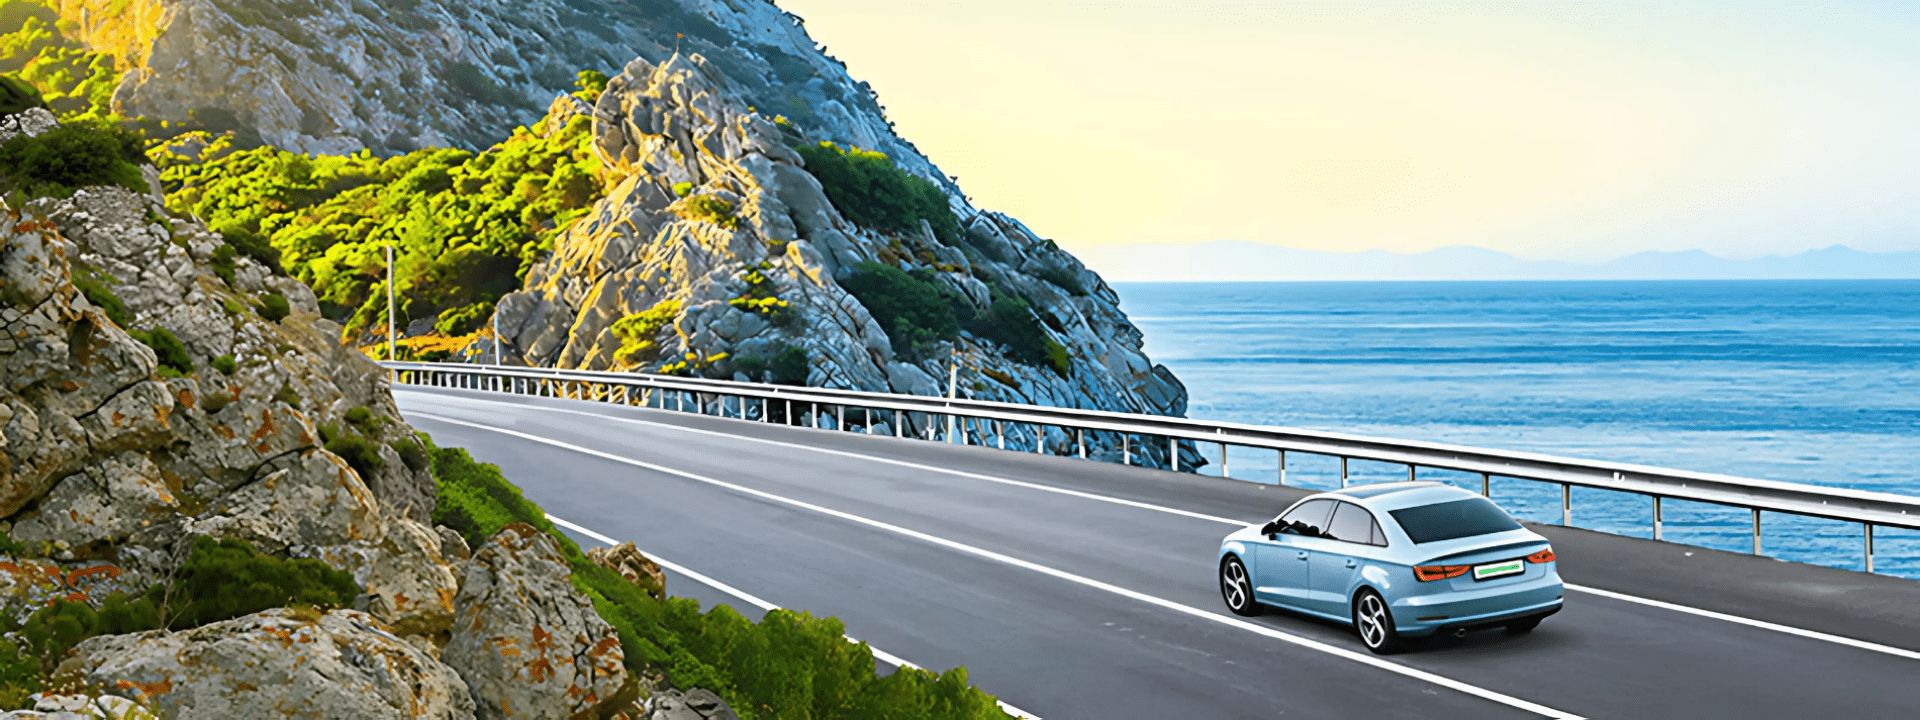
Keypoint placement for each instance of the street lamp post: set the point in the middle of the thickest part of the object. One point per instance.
(390, 319)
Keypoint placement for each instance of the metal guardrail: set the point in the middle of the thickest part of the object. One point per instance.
(1869, 509)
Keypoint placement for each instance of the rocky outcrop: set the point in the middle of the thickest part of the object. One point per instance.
(81, 707)
(529, 645)
(636, 567)
(337, 75)
(674, 142)
(283, 663)
(696, 704)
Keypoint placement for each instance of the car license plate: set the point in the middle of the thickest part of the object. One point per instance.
(1499, 569)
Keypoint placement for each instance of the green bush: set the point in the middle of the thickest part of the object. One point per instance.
(639, 333)
(174, 360)
(274, 307)
(913, 308)
(256, 247)
(223, 262)
(682, 189)
(18, 96)
(412, 454)
(1063, 278)
(789, 366)
(589, 84)
(73, 80)
(870, 190)
(286, 394)
(226, 365)
(95, 289)
(711, 209)
(225, 579)
(360, 453)
(1012, 323)
(463, 320)
(72, 156)
(476, 500)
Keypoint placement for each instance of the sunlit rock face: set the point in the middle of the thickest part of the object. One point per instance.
(672, 138)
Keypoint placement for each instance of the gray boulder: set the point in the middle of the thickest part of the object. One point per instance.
(528, 644)
(300, 664)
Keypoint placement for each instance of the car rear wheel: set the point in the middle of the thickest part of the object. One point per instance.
(1374, 623)
(1236, 588)
(1522, 627)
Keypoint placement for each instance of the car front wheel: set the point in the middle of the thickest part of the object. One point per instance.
(1236, 588)
(1374, 623)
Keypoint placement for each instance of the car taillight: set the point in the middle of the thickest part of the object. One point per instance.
(1544, 556)
(1430, 573)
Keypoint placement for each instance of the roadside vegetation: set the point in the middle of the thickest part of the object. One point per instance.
(917, 312)
(788, 665)
(873, 192)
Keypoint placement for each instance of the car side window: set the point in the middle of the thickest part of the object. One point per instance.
(1352, 523)
(1309, 519)
(1379, 538)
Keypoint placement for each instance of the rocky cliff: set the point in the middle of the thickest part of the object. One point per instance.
(715, 249)
(155, 399)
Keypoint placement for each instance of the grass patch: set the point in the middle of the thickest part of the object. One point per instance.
(72, 156)
(639, 333)
(274, 307)
(172, 354)
(870, 190)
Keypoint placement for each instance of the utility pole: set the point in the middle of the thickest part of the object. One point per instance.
(390, 319)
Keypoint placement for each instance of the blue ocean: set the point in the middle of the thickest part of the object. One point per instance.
(1801, 381)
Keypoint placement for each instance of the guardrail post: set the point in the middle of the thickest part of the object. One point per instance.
(1756, 531)
(1486, 485)
(1410, 475)
(950, 421)
(999, 435)
(1226, 470)
(1566, 504)
(1173, 451)
(1343, 472)
(1869, 529)
(1283, 468)
(1080, 441)
(899, 424)
(1126, 450)
(1656, 517)
(839, 417)
(929, 427)
(813, 415)
(1039, 439)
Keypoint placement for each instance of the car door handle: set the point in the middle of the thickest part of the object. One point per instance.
(1351, 562)
(1300, 554)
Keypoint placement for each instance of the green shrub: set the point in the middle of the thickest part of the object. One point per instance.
(476, 500)
(17, 96)
(412, 454)
(682, 189)
(287, 395)
(274, 307)
(589, 84)
(72, 156)
(96, 290)
(463, 320)
(870, 190)
(174, 360)
(226, 364)
(1012, 323)
(223, 262)
(1063, 278)
(225, 579)
(711, 209)
(639, 333)
(789, 366)
(256, 247)
(360, 453)
(913, 308)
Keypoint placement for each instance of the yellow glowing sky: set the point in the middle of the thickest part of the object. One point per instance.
(1542, 129)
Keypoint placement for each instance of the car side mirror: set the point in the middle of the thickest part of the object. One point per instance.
(1271, 529)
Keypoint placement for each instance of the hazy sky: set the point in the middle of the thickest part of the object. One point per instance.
(1542, 129)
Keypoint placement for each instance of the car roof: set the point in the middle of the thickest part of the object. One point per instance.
(1396, 495)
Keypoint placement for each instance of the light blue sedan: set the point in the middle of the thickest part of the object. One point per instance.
(1395, 560)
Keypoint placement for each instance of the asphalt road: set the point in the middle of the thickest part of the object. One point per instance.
(1075, 589)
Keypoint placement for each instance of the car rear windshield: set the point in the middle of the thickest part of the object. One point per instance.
(1453, 519)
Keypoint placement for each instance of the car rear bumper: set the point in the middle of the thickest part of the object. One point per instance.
(1453, 610)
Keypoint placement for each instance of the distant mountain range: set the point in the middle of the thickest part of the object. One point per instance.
(1243, 261)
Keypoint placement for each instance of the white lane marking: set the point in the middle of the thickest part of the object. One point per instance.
(909, 464)
(756, 601)
(1787, 629)
(1188, 610)
(1649, 602)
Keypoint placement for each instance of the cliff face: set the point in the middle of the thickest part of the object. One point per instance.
(727, 292)
(158, 392)
(337, 75)
(715, 250)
